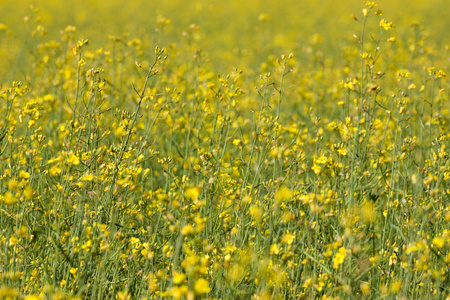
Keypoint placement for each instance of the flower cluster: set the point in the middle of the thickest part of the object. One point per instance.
(217, 154)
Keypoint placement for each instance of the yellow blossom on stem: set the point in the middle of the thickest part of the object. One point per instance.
(192, 193)
(385, 24)
(23, 174)
(283, 194)
(201, 286)
(188, 230)
(339, 258)
(8, 198)
(439, 242)
(87, 177)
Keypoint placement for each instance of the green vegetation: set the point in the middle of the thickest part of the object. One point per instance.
(259, 155)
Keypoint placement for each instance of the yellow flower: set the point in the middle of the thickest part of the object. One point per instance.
(396, 286)
(28, 193)
(320, 285)
(178, 277)
(411, 86)
(8, 198)
(320, 160)
(8, 293)
(370, 4)
(73, 271)
(13, 241)
(193, 192)
(73, 160)
(317, 169)
(178, 292)
(365, 288)
(288, 238)
(229, 249)
(368, 213)
(35, 273)
(201, 286)
(385, 24)
(283, 194)
(234, 230)
(391, 39)
(119, 131)
(188, 230)
(333, 126)
(343, 151)
(123, 295)
(55, 171)
(87, 177)
(440, 74)
(307, 283)
(23, 174)
(438, 242)
(274, 249)
(339, 258)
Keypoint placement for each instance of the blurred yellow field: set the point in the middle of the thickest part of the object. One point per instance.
(224, 150)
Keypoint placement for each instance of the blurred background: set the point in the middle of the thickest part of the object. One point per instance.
(230, 33)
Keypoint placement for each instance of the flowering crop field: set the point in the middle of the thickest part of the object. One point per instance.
(224, 149)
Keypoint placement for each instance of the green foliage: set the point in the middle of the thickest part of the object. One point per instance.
(193, 160)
